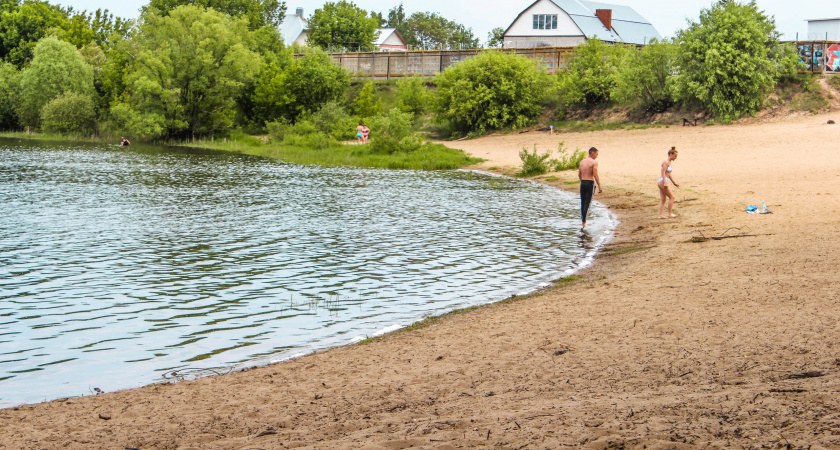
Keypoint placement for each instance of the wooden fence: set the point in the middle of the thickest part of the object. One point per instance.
(818, 56)
(427, 63)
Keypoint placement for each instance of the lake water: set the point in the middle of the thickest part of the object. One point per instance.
(123, 267)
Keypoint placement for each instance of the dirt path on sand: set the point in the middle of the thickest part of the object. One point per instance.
(662, 343)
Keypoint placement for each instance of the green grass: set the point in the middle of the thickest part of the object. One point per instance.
(58, 137)
(429, 157)
(582, 125)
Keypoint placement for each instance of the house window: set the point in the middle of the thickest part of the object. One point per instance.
(545, 21)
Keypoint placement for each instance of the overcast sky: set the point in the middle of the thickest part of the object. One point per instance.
(667, 16)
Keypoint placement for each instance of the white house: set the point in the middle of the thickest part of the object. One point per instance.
(566, 23)
(824, 29)
(295, 29)
(390, 40)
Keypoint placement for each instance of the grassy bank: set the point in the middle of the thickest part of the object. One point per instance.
(430, 156)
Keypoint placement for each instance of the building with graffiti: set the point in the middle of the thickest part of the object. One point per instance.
(820, 56)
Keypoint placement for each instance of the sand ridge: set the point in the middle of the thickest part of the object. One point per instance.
(666, 341)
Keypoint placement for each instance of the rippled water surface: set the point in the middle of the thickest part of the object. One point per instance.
(118, 267)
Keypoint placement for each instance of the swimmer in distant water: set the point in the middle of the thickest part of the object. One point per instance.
(124, 142)
(665, 175)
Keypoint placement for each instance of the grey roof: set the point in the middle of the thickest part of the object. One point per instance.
(291, 28)
(628, 26)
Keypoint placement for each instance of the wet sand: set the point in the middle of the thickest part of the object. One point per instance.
(717, 329)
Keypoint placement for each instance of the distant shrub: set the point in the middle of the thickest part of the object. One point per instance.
(644, 77)
(589, 77)
(333, 120)
(412, 95)
(566, 161)
(71, 113)
(534, 163)
(9, 99)
(393, 132)
(492, 90)
(834, 81)
(366, 104)
(123, 119)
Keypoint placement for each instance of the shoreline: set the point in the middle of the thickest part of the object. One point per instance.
(664, 341)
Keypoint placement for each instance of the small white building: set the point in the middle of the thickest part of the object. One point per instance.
(295, 29)
(390, 40)
(824, 29)
(567, 23)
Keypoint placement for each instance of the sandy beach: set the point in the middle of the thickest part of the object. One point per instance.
(717, 329)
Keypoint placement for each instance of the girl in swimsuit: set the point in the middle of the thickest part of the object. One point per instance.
(360, 132)
(665, 191)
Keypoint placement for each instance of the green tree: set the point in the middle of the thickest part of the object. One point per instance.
(726, 60)
(342, 24)
(644, 76)
(396, 16)
(190, 67)
(57, 68)
(303, 87)
(366, 104)
(70, 113)
(9, 85)
(429, 31)
(589, 77)
(490, 91)
(496, 38)
(412, 95)
(258, 13)
(22, 27)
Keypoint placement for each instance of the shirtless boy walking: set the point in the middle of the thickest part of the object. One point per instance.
(588, 175)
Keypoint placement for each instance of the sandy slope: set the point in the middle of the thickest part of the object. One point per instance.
(663, 342)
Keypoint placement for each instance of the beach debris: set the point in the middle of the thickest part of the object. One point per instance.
(795, 391)
(561, 352)
(104, 417)
(268, 431)
(704, 238)
(809, 374)
(752, 209)
(831, 122)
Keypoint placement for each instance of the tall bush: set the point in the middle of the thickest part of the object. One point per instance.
(367, 105)
(412, 95)
(302, 87)
(493, 90)
(589, 77)
(72, 113)
(57, 68)
(9, 100)
(644, 76)
(728, 60)
(393, 132)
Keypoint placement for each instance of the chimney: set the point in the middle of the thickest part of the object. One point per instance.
(606, 17)
(299, 12)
